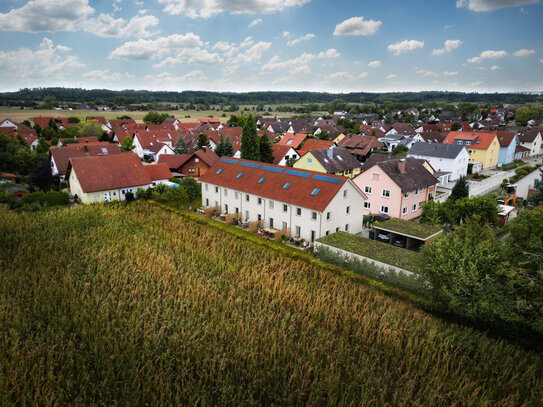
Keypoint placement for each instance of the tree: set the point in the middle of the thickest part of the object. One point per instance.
(90, 128)
(323, 135)
(266, 151)
(155, 117)
(400, 150)
(181, 146)
(42, 147)
(456, 126)
(73, 119)
(193, 188)
(389, 119)
(202, 141)
(250, 144)
(127, 144)
(42, 177)
(228, 148)
(460, 189)
(51, 124)
(291, 161)
(467, 272)
(38, 129)
(522, 115)
(536, 197)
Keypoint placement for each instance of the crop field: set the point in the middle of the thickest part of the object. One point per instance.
(134, 305)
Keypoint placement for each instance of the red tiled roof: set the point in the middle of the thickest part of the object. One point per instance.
(299, 192)
(279, 151)
(293, 140)
(100, 119)
(174, 161)
(315, 145)
(481, 140)
(505, 138)
(208, 156)
(158, 171)
(62, 155)
(109, 172)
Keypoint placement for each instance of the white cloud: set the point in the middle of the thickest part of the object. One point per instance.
(117, 5)
(209, 8)
(523, 52)
(191, 56)
(252, 54)
(296, 66)
(357, 26)
(247, 42)
(374, 64)
(302, 38)
(450, 45)
(392, 76)
(404, 46)
(193, 76)
(427, 74)
(286, 34)
(481, 68)
(47, 65)
(157, 48)
(363, 75)
(256, 21)
(489, 5)
(541, 61)
(489, 54)
(46, 15)
(106, 76)
(476, 83)
(450, 73)
(329, 53)
(495, 68)
(340, 77)
(106, 26)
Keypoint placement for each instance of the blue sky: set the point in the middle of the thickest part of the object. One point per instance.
(245, 45)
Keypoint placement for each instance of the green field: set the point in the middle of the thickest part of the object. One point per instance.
(135, 305)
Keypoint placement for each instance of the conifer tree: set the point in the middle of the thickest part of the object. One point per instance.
(202, 141)
(266, 151)
(228, 148)
(250, 144)
(181, 146)
(460, 189)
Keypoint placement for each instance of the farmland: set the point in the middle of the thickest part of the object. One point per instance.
(133, 305)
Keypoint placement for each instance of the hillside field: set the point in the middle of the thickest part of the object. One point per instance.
(135, 305)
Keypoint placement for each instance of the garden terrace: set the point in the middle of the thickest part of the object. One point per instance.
(379, 251)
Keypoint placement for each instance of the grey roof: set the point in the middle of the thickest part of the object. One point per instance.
(450, 151)
(279, 127)
(530, 135)
(415, 174)
(433, 136)
(341, 159)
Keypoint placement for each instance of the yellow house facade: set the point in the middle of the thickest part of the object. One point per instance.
(338, 161)
(487, 156)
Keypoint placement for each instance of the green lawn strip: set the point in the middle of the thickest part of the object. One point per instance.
(383, 252)
(408, 227)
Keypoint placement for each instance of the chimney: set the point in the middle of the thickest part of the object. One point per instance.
(401, 166)
(330, 153)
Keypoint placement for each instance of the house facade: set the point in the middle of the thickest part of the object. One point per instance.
(532, 139)
(508, 144)
(308, 203)
(396, 188)
(338, 161)
(449, 158)
(483, 147)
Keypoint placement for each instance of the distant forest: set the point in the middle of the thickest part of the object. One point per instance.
(29, 97)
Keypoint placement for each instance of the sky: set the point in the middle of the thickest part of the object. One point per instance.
(259, 45)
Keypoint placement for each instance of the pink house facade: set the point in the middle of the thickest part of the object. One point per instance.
(396, 188)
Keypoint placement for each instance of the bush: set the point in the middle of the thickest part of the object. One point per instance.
(51, 198)
(129, 196)
(144, 194)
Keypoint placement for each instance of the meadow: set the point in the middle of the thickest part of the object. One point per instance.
(133, 305)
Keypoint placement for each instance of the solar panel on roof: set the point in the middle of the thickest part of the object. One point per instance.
(324, 178)
(272, 169)
(251, 165)
(298, 173)
(228, 160)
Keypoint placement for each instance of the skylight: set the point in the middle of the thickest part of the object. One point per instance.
(239, 175)
(219, 170)
(261, 180)
(287, 185)
(315, 192)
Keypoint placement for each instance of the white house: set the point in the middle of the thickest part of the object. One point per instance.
(532, 139)
(311, 204)
(449, 158)
(282, 153)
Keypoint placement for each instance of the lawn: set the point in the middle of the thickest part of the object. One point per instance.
(134, 305)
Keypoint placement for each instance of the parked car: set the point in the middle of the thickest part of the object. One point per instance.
(383, 237)
(399, 242)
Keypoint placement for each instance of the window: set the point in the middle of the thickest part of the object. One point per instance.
(259, 201)
(327, 232)
(420, 204)
(314, 215)
(96, 196)
(114, 193)
(247, 215)
(287, 185)
(348, 210)
(225, 208)
(298, 231)
(416, 192)
(315, 192)
(298, 211)
(405, 210)
(206, 187)
(375, 176)
(259, 217)
(219, 170)
(337, 229)
(271, 223)
(328, 215)
(196, 160)
(239, 175)
(414, 208)
(247, 198)
(284, 225)
(122, 190)
(216, 190)
(236, 195)
(271, 204)
(384, 209)
(406, 195)
(225, 192)
(261, 180)
(207, 202)
(344, 193)
(386, 193)
(309, 161)
(367, 189)
(346, 227)
(154, 184)
(284, 208)
(367, 205)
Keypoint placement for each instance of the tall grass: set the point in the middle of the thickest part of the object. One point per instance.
(133, 305)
